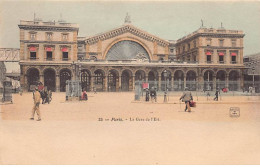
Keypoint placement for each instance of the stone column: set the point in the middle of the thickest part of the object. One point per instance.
(25, 84)
(57, 83)
(105, 84)
(41, 79)
(92, 83)
(197, 83)
(214, 82)
(227, 81)
(146, 78)
(200, 83)
(184, 81)
(119, 83)
(172, 83)
(159, 83)
(241, 82)
(133, 80)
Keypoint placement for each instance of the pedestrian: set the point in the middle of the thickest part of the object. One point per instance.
(153, 94)
(187, 98)
(36, 106)
(216, 94)
(147, 94)
(95, 90)
(84, 95)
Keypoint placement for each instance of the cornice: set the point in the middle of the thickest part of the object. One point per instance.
(47, 28)
(213, 35)
(221, 48)
(49, 42)
(124, 29)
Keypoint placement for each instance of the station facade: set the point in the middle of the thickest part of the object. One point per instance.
(119, 59)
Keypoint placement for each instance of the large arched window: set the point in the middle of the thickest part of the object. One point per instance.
(127, 50)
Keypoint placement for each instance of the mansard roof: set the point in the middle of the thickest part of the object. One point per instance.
(124, 29)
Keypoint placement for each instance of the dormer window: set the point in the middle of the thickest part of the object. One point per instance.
(234, 43)
(65, 36)
(221, 42)
(49, 36)
(32, 35)
(208, 42)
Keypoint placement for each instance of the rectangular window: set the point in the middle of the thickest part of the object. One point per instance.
(208, 58)
(221, 59)
(32, 55)
(65, 37)
(49, 55)
(221, 43)
(208, 42)
(171, 50)
(234, 43)
(33, 36)
(65, 56)
(49, 36)
(234, 59)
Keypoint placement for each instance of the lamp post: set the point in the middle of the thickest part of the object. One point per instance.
(253, 71)
(165, 91)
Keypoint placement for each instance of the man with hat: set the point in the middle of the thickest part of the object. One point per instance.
(36, 108)
(186, 97)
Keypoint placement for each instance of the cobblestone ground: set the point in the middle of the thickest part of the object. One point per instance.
(112, 128)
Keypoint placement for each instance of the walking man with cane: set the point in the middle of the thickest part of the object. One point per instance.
(186, 97)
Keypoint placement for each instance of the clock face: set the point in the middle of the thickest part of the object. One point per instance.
(126, 50)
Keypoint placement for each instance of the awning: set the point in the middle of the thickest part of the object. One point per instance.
(32, 48)
(48, 49)
(221, 54)
(208, 53)
(64, 49)
(233, 54)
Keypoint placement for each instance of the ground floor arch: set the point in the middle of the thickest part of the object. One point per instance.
(113, 81)
(208, 80)
(99, 76)
(221, 79)
(65, 74)
(191, 80)
(178, 80)
(33, 77)
(139, 75)
(126, 80)
(166, 78)
(85, 78)
(50, 79)
(233, 84)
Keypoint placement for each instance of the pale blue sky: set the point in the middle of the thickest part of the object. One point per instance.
(168, 20)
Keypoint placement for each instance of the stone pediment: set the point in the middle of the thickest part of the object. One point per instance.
(126, 29)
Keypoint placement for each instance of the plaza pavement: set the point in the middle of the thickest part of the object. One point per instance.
(112, 128)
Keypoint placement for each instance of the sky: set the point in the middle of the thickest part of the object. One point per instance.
(168, 20)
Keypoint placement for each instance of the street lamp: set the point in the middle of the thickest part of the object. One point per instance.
(165, 91)
(253, 71)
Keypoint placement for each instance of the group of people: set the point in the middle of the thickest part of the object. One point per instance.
(152, 93)
(46, 94)
(40, 93)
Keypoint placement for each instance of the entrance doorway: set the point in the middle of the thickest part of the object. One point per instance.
(125, 81)
(65, 75)
(49, 79)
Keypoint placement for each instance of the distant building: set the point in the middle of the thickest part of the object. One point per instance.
(116, 60)
(252, 73)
